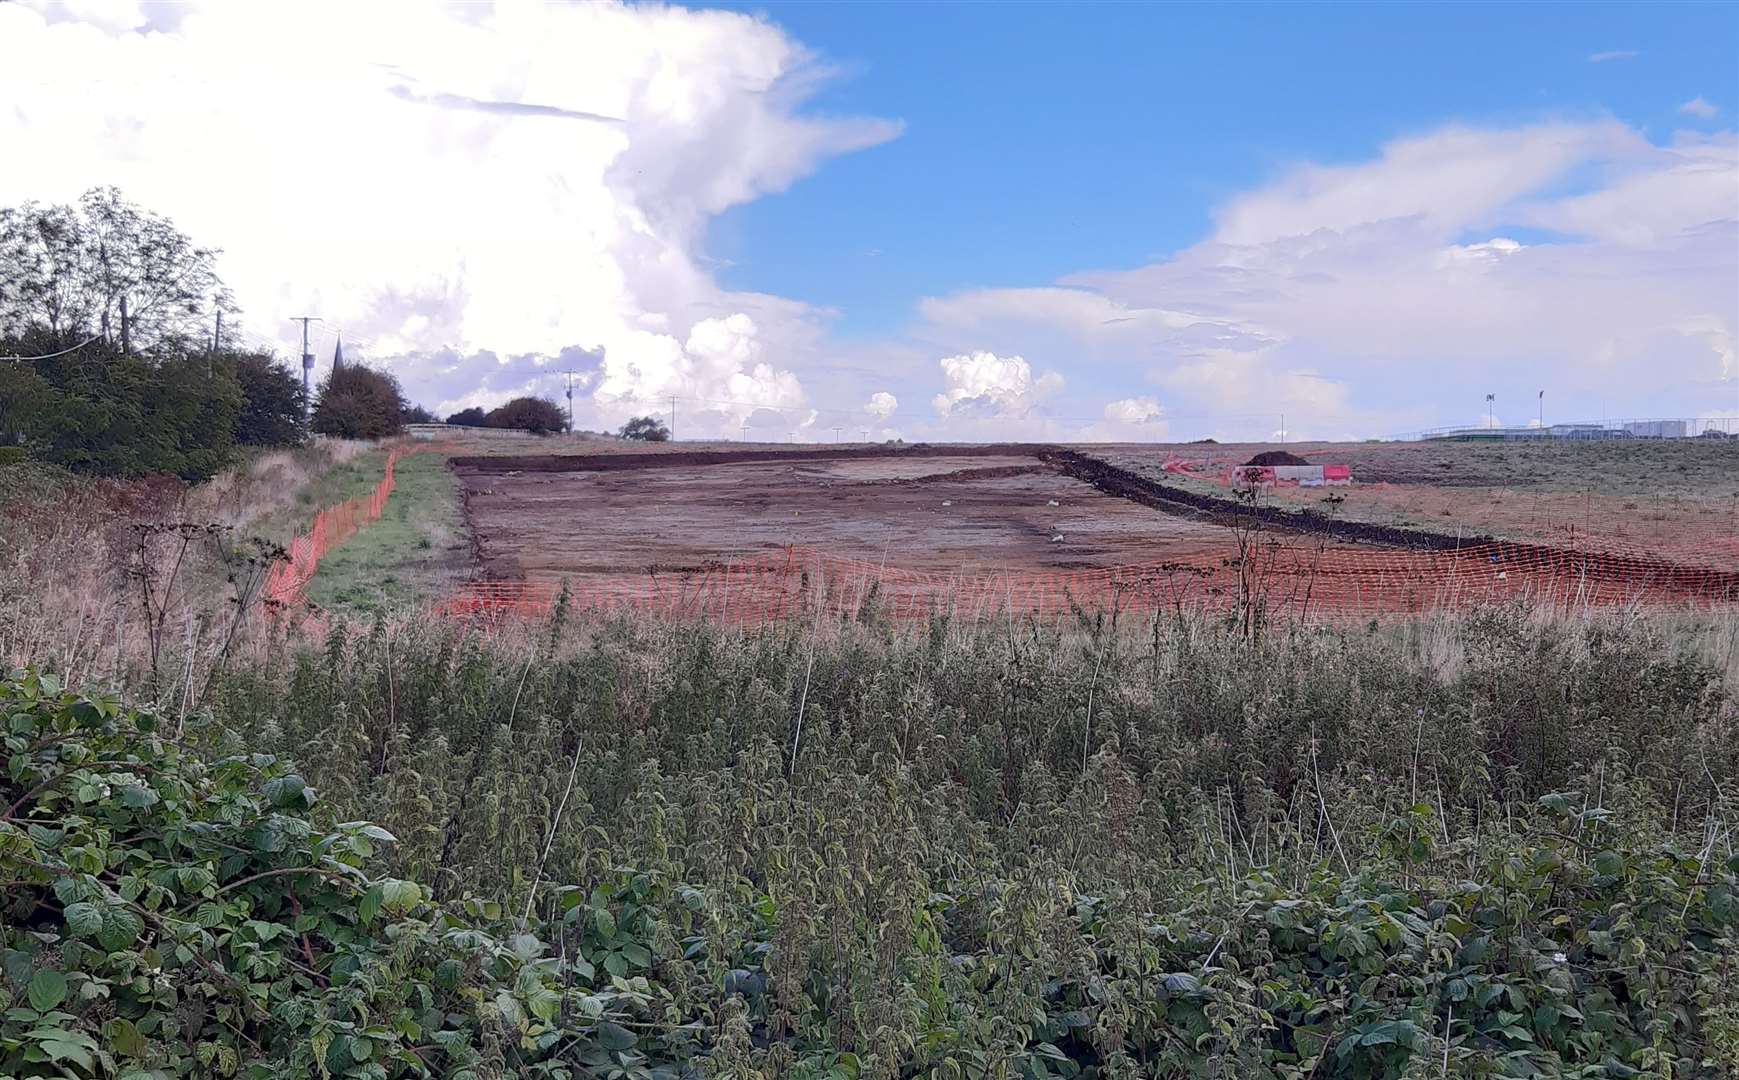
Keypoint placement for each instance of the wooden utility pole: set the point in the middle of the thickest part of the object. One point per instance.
(216, 342)
(307, 361)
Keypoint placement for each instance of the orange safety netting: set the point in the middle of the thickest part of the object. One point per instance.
(1291, 576)
(332, 526)
(1281, 572)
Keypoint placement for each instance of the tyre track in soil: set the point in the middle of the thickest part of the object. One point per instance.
(1124, 484)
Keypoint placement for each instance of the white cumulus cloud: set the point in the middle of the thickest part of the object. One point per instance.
(1138, 410)
(982, 385)
(450, 184)
(881, 405)
(1699, 107)
(1389, 295)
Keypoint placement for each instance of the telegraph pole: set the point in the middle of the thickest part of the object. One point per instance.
(570, 376)
(307, 361)
(745, 431)
(216, 342)
(673, 418)
(836, 433)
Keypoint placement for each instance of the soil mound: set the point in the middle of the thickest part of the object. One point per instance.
(1276, 457)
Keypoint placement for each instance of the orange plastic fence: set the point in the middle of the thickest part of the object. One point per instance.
(332, 526)
(1283, 574)
(1283, 577)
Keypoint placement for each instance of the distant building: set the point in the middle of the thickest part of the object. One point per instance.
(1504, 434)
(1657, 429)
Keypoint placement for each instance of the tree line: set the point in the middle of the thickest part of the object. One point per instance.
(115, 359)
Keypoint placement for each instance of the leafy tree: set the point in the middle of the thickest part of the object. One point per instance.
(96, 410)
(274, 410)
(113, 303)
(646, 429)
(357, 402)
(471, 417)
(536, 415)
(109, 268)
(416, 414)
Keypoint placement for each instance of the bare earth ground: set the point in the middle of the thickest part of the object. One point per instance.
(935, 514)
(935, 520)
(1679, 497)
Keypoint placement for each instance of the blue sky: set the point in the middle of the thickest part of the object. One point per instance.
(1045, 139)
(1132, 222)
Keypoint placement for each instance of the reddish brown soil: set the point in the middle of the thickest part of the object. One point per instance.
(923, 512)
(753, 532)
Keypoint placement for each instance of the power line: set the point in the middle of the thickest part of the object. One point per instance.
(52, 355)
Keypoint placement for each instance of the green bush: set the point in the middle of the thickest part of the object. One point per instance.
(167, 916)
(620, 854)
(357, 402)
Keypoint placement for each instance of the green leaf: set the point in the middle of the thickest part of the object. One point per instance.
(369, 906)
(47, 989)
(121, 928)
(1609, 864)
(543, 1003)
(138, 797)
(285, 791)
(447, 974)
(613, 1036)
(83, 919)
(399, 895)
(62, 1050)
(124, 1037)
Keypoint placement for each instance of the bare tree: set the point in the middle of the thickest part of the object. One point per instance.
(105, 267)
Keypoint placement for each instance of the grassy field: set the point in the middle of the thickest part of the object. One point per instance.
(416, 550)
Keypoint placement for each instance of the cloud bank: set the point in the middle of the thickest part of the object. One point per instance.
(491, 199)
(480, 196)
(1391, 294)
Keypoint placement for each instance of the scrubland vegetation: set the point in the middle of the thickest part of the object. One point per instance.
(245, 843)
(1493, 846)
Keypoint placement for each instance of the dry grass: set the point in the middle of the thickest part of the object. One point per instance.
(70, 596)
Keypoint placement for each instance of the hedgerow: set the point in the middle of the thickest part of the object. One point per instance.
(633, 850)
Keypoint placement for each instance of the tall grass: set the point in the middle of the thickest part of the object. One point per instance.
(1160, 744)
(1072, 804)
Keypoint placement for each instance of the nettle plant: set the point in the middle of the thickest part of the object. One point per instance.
(162, 916)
